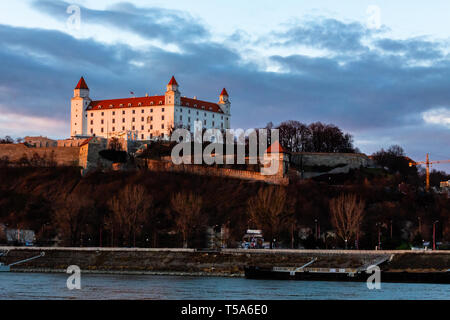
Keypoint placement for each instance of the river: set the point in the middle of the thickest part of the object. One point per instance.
(33, 286)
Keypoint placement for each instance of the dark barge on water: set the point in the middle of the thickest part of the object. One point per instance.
(361, 274)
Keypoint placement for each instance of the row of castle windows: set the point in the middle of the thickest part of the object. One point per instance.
(113, 129)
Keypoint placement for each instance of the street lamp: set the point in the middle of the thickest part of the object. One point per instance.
(379, 235)
(434, 234)
(315, 221)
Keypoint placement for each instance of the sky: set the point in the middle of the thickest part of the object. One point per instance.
(379, 70)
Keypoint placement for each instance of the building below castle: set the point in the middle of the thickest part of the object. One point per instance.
(144, 118)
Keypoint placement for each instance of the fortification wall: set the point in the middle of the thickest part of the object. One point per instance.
(161, 165)
(63, 155)
(353, 160)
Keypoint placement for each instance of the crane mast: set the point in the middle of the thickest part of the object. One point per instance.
(427, 164)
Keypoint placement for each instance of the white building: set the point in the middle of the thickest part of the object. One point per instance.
(144, 118)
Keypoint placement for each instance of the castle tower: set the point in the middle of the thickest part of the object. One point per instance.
(224, 104)
(79, 103)
(172, 95)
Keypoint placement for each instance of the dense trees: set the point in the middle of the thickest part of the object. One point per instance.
(36, 198)
(316, 137)
(267, 210)
(188, 208)
(130, 210)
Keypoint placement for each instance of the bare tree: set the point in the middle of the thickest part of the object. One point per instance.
(130, 210)
(188, 207)
(347, 213)
(267, 210)
(70, 216)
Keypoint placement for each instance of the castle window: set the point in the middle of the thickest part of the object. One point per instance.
(197, 112)
(210, 108)
(205, 114)
(114, 113)
(181, 118)
(103, 121)
(187, 103)
(162, 126)
(151, 135)
(203, 107)
(103, 113)
(221, 125)
(162, 117)
(123, 128)
(113, 120)
(142, 110)
(113, 129)
(132, 120)
(123, 111)
(204, 122)
(142, 119)
(189, 111)
(139, 104)
(151, 103)
(121, 105)
(151, 127)
(213, 123)
(151, 110)
(100, 106)
(189, 119)
(221, 118)
(195, 106)
(92, 114)
(92, 121)
(142, 136)
(129, 104)
(92, 130)
(162, 109)
(160, 102)
(142, 127)
(149, 119)
(213, 116)
(101, 129)
(110, 105)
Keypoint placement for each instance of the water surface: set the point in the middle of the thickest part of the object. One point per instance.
(31, 286)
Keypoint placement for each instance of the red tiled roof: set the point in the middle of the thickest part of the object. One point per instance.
(275, 148)
(123, 103)
(147, 102)
(86, 141)
(208, 106)
(224, 92)
(81, 84)
(173, 81)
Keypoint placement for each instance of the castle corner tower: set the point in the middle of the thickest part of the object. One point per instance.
(79, 104)
(172, 95)
(224, 104)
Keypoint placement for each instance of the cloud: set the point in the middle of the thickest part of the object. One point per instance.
(325, 33)
(23, 125)
(416, 48)
(171, 26)
(439, 116)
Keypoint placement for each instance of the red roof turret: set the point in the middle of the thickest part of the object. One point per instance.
(173, 81)
(275, 148)
(82, 84)
(224, 92)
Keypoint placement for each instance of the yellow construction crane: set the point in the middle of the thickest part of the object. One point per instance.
(428, 164)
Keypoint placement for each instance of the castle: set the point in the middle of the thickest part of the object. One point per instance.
(144, 118)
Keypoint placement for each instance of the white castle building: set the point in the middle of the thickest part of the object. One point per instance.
(144, 118)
